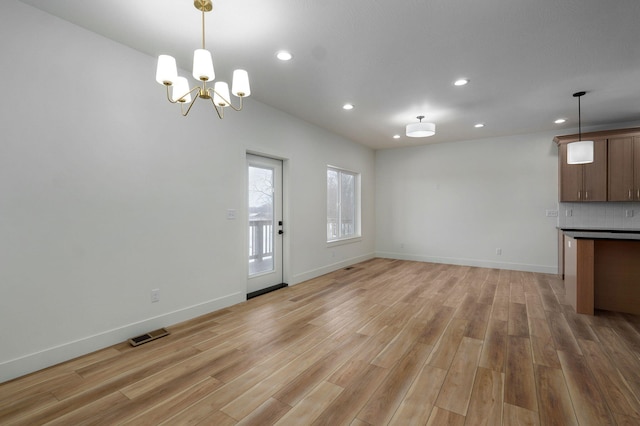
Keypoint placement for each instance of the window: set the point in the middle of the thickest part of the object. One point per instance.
(343, 204)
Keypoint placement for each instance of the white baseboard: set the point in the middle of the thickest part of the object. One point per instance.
(481, 263)
(51, 356)
(304, 276)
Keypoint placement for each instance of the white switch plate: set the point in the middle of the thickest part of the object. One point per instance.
(155, 295)
(552, 213)
(628, 213)
(231, 214)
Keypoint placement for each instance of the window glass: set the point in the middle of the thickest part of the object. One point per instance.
(342, 204)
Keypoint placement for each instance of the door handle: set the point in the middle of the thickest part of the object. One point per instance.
(280, 232)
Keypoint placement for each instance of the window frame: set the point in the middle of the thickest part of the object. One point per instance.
(357, 233)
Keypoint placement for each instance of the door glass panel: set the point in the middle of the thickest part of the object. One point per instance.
(261, 229)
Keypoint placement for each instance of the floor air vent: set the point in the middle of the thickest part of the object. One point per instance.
(152, 335)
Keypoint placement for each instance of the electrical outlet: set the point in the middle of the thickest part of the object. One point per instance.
(628, 213)
(568, 212)
(499, 251)
(155, 295)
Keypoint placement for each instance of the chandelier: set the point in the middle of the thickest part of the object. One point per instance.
(178, 90)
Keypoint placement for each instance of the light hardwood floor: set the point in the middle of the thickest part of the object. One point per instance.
(386, 342)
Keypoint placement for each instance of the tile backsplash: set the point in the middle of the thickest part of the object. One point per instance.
(611, 215)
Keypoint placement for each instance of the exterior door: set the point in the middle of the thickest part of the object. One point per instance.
(266, 229)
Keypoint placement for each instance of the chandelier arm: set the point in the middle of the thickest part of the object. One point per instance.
(240, 107)
(228, 101)
(184, 114)
(169, 94)
(220, 111)
(189, 92)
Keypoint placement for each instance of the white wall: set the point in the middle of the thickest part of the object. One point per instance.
(106, 192)
(458, 202)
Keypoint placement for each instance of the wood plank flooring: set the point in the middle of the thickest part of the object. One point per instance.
(386, 342)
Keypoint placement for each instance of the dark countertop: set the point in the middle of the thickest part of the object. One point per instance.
(600, 234)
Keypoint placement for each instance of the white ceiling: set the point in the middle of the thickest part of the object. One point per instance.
(397, 59)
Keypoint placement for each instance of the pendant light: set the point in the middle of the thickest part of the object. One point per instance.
(420, 129)
(580, 152)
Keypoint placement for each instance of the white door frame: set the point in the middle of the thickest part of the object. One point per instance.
(284, 241)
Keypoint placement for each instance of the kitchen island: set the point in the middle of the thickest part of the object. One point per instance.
(602, 270)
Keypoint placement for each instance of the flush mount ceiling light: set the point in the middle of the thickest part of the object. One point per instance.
(461, 82)
(283, 55)
(420, 129)
(348, 107)
(167, 75)
(580, 152)
(560, 120)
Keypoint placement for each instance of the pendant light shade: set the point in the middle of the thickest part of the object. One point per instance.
(203, 65)
(580, 152)
(180, 91)
(420, 129)
(240, 84)
(167, 71)
(221, 94)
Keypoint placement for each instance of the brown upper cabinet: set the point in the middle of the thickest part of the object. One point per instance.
(624, 168)
(584, 182)
(614, 174)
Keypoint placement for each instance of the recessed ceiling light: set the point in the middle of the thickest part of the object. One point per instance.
(479, 125)
(560, 120)
(283, 55)
(347, 106)
(461, 82)
(396, 136)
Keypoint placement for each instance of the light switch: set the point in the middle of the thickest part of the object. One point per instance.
(231, 214)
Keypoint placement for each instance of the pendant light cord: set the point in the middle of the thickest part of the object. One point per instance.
(579, 95)
(579, 120)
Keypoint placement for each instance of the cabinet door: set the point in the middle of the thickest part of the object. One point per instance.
(570, 177)
(621, 180)
(595, 174)
(636, 166)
